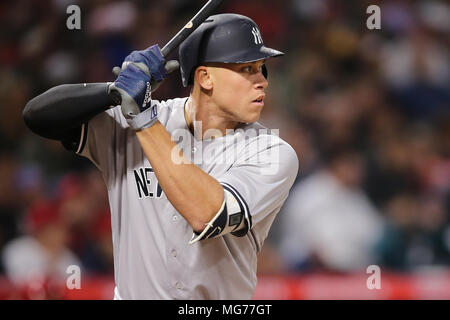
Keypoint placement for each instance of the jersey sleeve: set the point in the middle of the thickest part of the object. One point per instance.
(97, 139)
(255, 187)
(105, 138)
(71, 139)
(261, 179)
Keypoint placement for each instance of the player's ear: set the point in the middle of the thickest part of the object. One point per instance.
(203, 77)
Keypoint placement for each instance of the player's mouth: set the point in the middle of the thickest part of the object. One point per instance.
(259, 100)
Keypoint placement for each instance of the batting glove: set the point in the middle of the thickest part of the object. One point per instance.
(141, 73)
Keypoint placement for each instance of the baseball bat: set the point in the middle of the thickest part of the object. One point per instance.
(173, 43)
(197, 20)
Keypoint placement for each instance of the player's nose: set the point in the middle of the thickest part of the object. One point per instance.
(261, 81)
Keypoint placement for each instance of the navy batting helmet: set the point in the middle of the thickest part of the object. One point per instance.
(227, 38)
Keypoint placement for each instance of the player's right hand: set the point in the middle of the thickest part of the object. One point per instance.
(141, 73)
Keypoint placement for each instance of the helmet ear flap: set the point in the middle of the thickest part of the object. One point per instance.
(264, 71)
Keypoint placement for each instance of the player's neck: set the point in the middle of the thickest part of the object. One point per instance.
(202, 117)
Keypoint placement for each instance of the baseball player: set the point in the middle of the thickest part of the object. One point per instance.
(194, 183)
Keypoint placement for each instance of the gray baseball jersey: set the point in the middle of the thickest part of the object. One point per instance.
(156, 254)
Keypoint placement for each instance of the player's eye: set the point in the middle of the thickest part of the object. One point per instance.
(247, 69)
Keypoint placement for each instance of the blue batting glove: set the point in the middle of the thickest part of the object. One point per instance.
(152, 59)
(140, 70)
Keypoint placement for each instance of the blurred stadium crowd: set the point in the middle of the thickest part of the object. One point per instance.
(368, 112)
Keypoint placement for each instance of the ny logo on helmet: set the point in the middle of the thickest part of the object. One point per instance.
(257, 35)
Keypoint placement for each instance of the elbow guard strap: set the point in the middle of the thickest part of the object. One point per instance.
(230, 218)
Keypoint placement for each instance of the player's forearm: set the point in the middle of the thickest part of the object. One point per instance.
(65, 107)
(195, 194)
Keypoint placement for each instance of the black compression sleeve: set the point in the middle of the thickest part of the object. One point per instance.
(59, 110)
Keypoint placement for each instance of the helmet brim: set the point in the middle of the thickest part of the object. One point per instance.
(251, 55)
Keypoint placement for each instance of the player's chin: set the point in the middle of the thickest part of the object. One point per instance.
(252, 116)
(255, 111)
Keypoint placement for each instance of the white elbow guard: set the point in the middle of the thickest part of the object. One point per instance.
(232, 217)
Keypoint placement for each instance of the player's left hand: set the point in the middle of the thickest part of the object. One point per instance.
(141, 73)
